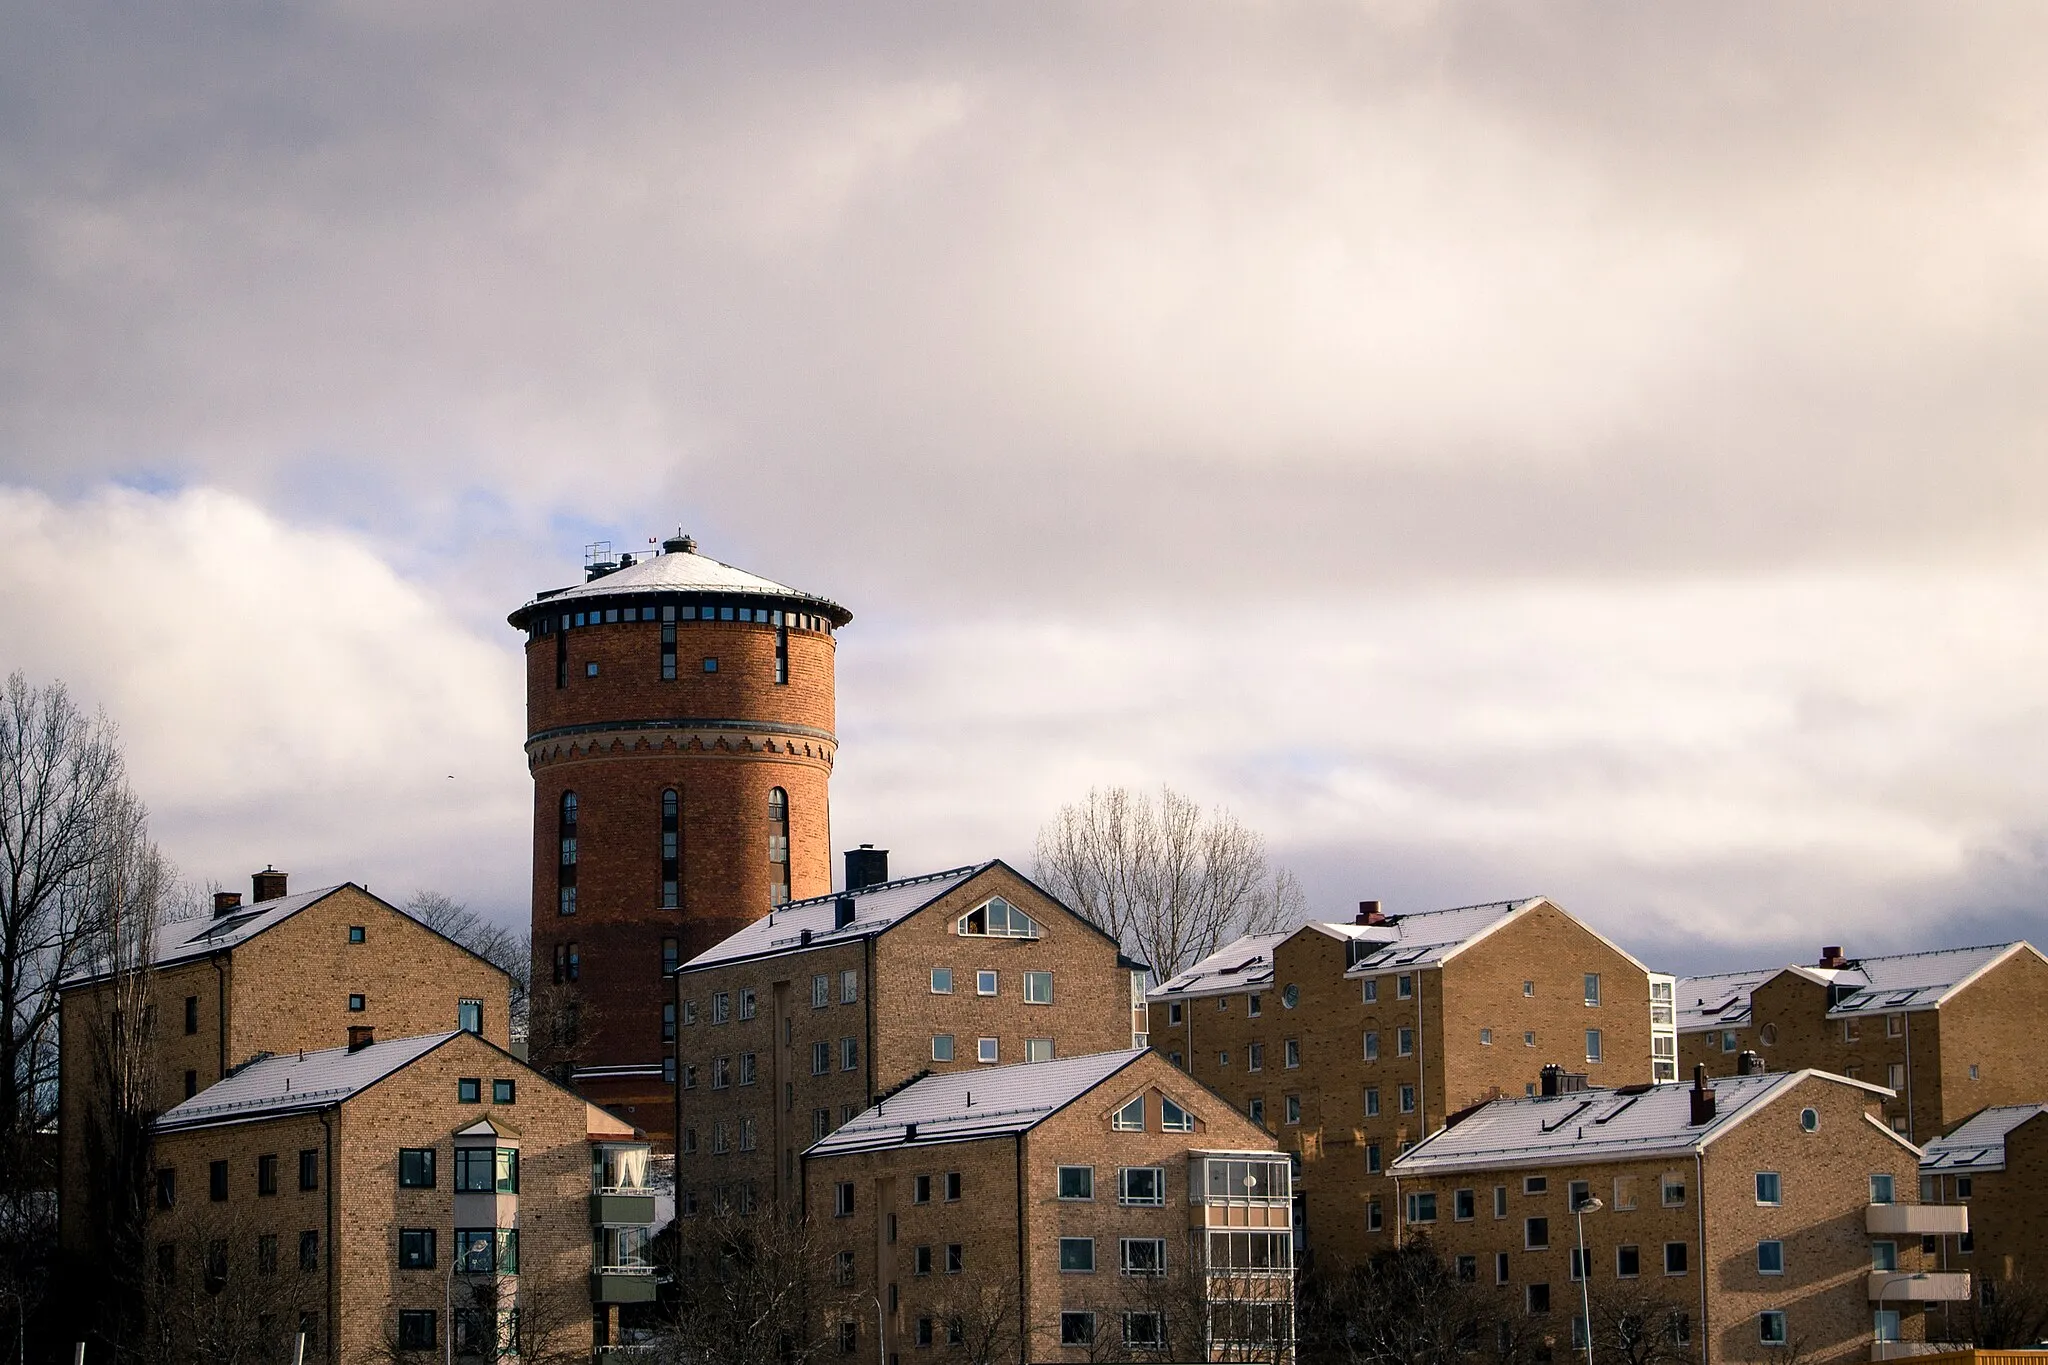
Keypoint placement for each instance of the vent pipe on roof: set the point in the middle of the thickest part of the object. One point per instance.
(1369, 913)
(268, 885)
(866, 866)
(1749, 1064)
(226, 903)
(803, 938)
(360, 1036)
(909, 1131)
(1702, 1096)
(842, 911)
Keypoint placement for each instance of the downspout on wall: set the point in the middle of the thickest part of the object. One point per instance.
(219, 959)
(328, 1118)
(1023, 1282)
(1699, 1204)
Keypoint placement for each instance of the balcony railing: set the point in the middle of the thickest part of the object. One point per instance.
(1934, 1286)
(1921, 1220)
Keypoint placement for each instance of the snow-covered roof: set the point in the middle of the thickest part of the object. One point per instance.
(296, 1082)
(1426, 939)
(188, 939)
(1868, 985)
(961, 1105)
(1979, 1144)
(1599, 1125)
(685, 571)
(807, 924)
(1239, 965)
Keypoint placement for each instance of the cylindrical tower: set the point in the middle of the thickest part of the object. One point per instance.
(680, 736)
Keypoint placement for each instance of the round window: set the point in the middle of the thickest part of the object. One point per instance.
(1291, 996)
(1769, 1034)
(1809, 1119)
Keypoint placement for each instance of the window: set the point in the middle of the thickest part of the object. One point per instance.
(671, 819)
(1374, 1219)
(1468, 1270)
(747, 1068)
(1500, 1267)
(668, 648)
(1535, 1184)
(1770, 1327)
(668, 1022)
(1407, 1097)
(1077, 1255)
(356, 1004)
(309, 1250)
(1628, 1262)
(1624, 1192)
(1142, 1255)
(217, 1181)
(1464, 1207)
(1038, 988)
(191, 1084)
(952, 1186)
(1579, 1261)
(721, 1073)
(1671, 1191)
(1372, 1101)
(1422, 1207)
(721, 1007)
(309, 1168)
(1255, 1057)
(565, 865)
(590, 669)
(778, 834)
(1592, 988)
(1729, 1041)
(1372, 1158)
(689, 1076)
(1293, 1108)
(821, 1123)
(1880, 1189)
(266, 1174)
(1075, 1182)
(1372, 1046)
(984, 983)
(1251, 1005)
(1038, 1049)
(1537, 1298)
(1145, 1329)
(1500, 1201)
(356, 933)
(1770, 1258)
(670, 959)
(1528, 988)
(469, 1090)
(1130, 1118)
(503, 1091)
(849, 1053)
(1529, 1039)
(266, 1254)
(1255, 1109)
(1895, 1076)
(1141, 1185)
(849, 987)
(1173, 1012)
(167, 1188)
(1767, 1187)
(469, 1016)
(985, 1050)
(956, 1258)
(821, 1058)
(1674, 1258)
(1486, 1037)
(997, 919)
(1592, 1045)
(1884, 1255)
(416, 1326)
(1077, 1329)
(1884, 1323)
(842, 1200)
(849, 1330)
(1535, 1233)
(416, 1248)
(416, 1168)
(1404, 1042)
(1404, 986)
(942, 1047)
(821, 992)
(1173, 1118)
(942, 981)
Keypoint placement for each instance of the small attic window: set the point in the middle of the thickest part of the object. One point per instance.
(1173, 1118)
(1130, 1118)
(356, 933)
(997, 918)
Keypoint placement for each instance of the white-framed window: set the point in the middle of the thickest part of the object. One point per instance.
(1372, 990)
(1145, 1185)
(849, 1053)
(1372, 1045)
(1592, 988)
(1038, 1049)
(1671, 1191)
(1173, 1012)
(1407, 1099)
(997, 918)
(1131, 1117)
(1769, 1190)
(849, 987)
(1142, 1255)
(1404, 986)
(1251, 1005)
(1077, 1255)
(1404, 1042)
(1145, 1329)
(1894, 1025)
(942, 981)
(1770, 1258)
(1881, 1189)
(1421, 1206)
(1372, 1101)
(984, 983)
(1038, 988)
(1293, 1046)
(1077, 1182)
(721, 1007)
(1486, 1037)
(1770, 1327)
(821, 992)
(1173, 1118)
(1592, 1045)
(986, 1050)
(1255, 1109)
(1255, 1057)
(842, 1200)
(942, 1047)
(1293, 1104)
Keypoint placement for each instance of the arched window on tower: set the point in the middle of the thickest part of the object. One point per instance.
(778, 847)
(565, 870)
(671, 849)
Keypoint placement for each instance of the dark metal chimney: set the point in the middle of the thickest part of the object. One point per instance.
(842, 911)
(267, 885)
(866, 866)
(1749, 1064)
(1553, 1080)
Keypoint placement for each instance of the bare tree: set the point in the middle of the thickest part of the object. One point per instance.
(1168, 880)
(216, 1291)
(492, 942)
(2005, 1315)
(749, 1290)
(1634, 1324)
(1406, 1306)
(984, 1324)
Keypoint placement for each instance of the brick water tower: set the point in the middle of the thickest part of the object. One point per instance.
(679, 731)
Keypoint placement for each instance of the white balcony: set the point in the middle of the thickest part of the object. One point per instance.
(1919, 1220)
(1939, 1286)
(1900, 1350)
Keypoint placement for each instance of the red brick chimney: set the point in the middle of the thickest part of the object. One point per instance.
(1369, 913)
(226, 903)
(267, 885)
(360, 1036)
(1702, 1097)
(1832, 957)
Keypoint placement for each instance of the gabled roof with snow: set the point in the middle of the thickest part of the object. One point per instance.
(1979, 1144)
(684, 571)
(1427, 939)
(1599, 1125)
(962, 1105)
(1243, 964)
(1867, 985)
(187, 940)
(296, 1082)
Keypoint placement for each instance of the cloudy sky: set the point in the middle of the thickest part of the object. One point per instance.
(1598, 450)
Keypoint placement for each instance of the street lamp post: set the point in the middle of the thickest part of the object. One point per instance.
(1886, 1288)
(1590, 1204)
(881, 1335)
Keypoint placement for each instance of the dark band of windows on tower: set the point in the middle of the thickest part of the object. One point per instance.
(565, 870)
(568, 962)
(781, 652)
(668, 653)
(671, 849)
(538, 627)
(778, 846)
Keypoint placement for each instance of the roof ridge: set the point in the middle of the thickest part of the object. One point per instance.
(885, 886)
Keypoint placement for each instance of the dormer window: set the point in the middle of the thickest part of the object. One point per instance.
(997, 918)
